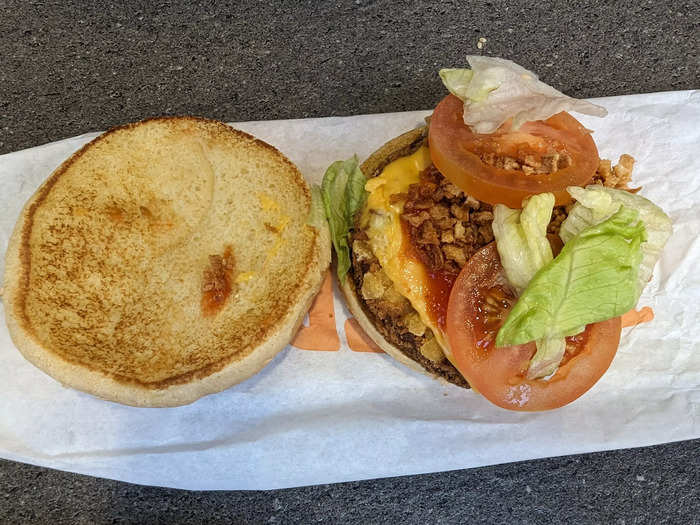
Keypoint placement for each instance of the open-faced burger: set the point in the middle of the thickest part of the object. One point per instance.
(493, 248)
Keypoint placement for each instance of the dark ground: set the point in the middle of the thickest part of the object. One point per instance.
(71, 67)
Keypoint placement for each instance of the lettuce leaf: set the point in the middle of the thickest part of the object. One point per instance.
(457, 81)
(521, 238)
(499, 89)
(597, 203)
(317, 213)
(592, 279)
(550, 352)
(343, 194)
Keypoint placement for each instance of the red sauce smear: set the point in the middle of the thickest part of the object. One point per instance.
(437, 295)
(217, 282)
(438, 286)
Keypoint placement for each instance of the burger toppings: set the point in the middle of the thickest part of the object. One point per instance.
(343, 194)
(445, 226)
(503, 135)
(528, 163)
(500, 373)
(375, 247)
(524, 249)
(521, 238)
(532, 319)
(388, 238)
(597, 203)
(442, 228)
(592, 279)
(612, 238)
(495, 90)
(394, 316)
(617, 176)
(507, 166)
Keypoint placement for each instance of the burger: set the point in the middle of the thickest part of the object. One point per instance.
(492, 248)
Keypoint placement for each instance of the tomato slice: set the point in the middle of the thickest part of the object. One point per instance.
(458, 154)
(478, 305)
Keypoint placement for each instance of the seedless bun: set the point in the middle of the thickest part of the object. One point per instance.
(398, 147)
(118, 271)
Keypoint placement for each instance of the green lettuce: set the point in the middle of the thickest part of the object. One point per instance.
(317, 213)
(457, 81)
(597, 203)
(523, 247)
(521, 238)
(495, 90)
(592, 279)
(550, 352)
(343, 193)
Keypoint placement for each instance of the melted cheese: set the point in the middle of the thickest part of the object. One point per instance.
(282, 223)
(266, 203)
(245, 277)
(382, 222)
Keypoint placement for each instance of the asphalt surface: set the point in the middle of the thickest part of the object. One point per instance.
(71, 67)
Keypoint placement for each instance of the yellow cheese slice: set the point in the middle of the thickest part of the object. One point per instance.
(381, 219)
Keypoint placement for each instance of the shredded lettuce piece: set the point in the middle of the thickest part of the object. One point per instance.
(550, 352)
(499, 89)
(592, 279)
(521, 238)
(317, 213)
(597, 203)
(457, 81)
(343, 193)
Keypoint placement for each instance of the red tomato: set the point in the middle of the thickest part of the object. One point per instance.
(479, 303)
(457, 153)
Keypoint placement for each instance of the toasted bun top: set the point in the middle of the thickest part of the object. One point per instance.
(165, 260)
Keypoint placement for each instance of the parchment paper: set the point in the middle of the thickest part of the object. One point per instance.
(321, 417)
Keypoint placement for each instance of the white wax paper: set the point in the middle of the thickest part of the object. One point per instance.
(322, 417)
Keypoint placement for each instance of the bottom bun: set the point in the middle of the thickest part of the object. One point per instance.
(405, 350)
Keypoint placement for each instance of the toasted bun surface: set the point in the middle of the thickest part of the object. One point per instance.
(110, 260)
(398, 147)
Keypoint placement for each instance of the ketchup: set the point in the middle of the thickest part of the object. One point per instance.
(217, 282)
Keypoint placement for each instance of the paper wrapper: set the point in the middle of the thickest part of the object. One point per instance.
(336, 415)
